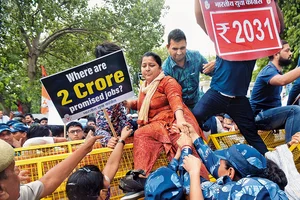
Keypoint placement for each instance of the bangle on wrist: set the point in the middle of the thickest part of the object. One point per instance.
(178, 109)
(121, 141)
(185, 146)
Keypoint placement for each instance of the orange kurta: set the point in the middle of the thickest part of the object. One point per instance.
(150, 139)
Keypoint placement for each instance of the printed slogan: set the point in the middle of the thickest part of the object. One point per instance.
(242, 29)
(90, 87)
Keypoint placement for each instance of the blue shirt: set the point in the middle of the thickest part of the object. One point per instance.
(232, 77)
(264, 95)
(248, 188)
(187, 76)
(252, 188)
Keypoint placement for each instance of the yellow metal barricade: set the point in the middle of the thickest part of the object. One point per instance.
(295, 149)
(49, 149)
(225, 140)
(273, 139)
(38, 160)
(39, 166)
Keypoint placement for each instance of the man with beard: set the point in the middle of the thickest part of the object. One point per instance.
(265, 98)
(228, 90)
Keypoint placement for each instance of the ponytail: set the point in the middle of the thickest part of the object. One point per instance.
(275, 174)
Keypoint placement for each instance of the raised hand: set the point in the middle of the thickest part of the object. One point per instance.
(125, 133)
(91, 139)
(192, 165)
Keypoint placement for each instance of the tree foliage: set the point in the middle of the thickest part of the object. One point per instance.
(61, 34)
(162, 51)
(291, 11)
(136, 24)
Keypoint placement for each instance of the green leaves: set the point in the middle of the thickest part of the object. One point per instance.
(291, 12)
(60, 34)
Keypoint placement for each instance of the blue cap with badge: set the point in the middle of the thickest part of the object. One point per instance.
(244, 158)
(4, 127)
(19, 127)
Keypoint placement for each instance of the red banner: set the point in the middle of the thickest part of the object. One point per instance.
(242, 29)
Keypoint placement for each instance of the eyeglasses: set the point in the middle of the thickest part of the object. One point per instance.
(76, 131)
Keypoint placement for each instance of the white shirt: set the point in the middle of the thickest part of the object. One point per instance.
(4, 119)
(31, 191)
(38, 141)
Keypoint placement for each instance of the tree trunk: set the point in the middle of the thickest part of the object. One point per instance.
(2, 104)
(32, 59)
(5, 109)
(26, 107)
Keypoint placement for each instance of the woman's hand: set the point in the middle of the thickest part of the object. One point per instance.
(295, 139)
(184, 140)
(192, 132)
(181, 126)
(112, 142)
(192, 165)
(126, 131)
(90, 140)
(175, 128)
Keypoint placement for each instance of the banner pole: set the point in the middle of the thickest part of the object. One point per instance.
(109, 123)
(65, 131)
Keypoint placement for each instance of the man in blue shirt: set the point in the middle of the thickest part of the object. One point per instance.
(228, 92)
(185, 66)
(295, 91)
(266, 100)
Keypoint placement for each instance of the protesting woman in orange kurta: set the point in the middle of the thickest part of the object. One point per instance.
(160, 105)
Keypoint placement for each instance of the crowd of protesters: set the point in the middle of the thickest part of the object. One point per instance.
(173, 118)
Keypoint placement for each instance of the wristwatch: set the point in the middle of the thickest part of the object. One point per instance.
(121, 141)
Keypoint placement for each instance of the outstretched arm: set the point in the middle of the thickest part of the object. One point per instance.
(286, 78)
(55, 176)
(180, 119)
(295, 139)
(113, 162)
(192, 165)
(208, 157)
(199, 16)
